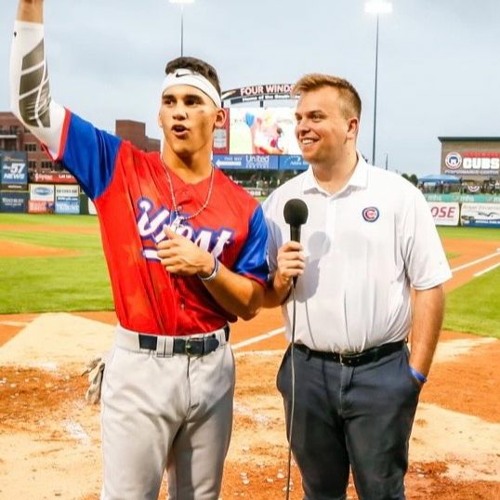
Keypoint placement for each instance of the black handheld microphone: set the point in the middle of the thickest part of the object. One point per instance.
(295, 213)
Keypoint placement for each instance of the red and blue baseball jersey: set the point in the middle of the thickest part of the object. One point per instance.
(132, 196)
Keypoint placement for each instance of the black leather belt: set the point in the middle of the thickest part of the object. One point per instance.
(189, 346)
(354, 359)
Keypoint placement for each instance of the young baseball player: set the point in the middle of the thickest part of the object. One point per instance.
(185, 249)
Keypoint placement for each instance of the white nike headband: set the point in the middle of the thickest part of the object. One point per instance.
(188, 77)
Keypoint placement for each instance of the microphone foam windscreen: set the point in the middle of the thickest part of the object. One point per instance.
(295, 212)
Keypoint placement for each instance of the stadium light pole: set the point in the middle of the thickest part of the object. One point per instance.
(376, 7)
(182, 3)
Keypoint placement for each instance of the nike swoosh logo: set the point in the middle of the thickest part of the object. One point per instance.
(180, 74)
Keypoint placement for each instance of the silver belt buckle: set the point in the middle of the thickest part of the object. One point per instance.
(187, 348)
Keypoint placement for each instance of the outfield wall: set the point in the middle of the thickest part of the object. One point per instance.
(66, 199)
(455, 209)
(478, 210)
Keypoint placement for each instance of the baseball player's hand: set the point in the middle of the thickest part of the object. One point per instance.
(179, 255)
(291, 263)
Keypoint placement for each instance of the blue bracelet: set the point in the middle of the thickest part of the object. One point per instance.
(419, 376)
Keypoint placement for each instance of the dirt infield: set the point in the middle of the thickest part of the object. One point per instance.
(49, 228)
(18, 249)
(15, 249)
(49, 436)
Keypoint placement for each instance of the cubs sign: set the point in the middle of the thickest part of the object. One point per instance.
(473, 163)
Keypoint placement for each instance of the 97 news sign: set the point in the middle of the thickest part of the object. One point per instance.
(13, 171)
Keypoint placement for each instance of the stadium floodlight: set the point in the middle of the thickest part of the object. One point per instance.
(182, 3)
(376, 7)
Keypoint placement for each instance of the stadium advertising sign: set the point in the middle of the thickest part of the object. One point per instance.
(13, 202)
(54, 177)
(262, 92)
(480, 214)
(259, 162)
(445, 214)
(292, 162)
(463, 197)
(42, 192)
(246, 162)
(67, 200)
(472, 163)
(14, 170)
(41, 198)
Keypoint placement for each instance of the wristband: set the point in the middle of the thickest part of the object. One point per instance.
(213, 274)
(419, 376)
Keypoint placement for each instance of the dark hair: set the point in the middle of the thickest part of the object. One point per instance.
(349, 95)
(196, 65)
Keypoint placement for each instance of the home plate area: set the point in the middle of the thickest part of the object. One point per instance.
(50, 437)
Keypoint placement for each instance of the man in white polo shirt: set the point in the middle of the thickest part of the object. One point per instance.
(369, 240)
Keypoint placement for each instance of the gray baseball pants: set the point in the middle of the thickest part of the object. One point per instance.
(162, 411)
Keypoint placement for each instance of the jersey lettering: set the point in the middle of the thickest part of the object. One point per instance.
(151, 225)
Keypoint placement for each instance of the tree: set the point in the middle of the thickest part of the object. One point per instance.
(411, 178)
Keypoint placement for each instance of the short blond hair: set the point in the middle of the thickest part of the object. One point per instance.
(351, 102)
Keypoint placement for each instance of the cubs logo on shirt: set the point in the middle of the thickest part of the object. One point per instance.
(370, 214)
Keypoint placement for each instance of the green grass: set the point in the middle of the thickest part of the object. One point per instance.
(475, 306)
(80, 282)
(470, 233)
(77, 282)
(49, 220)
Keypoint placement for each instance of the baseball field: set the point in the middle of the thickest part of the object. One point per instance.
(56, 315)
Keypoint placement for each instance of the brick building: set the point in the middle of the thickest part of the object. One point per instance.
(135, 132)
(14, 137)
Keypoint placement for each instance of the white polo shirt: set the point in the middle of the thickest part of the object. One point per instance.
(365, 246)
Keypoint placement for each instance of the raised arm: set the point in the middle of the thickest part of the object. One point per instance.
(29, 82)
(30, 11)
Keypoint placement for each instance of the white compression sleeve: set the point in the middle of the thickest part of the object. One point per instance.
(29, 86)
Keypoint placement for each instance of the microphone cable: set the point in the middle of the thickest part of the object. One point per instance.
(295, 213)
(292, 406)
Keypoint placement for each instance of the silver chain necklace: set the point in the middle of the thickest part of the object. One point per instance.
(179, 219)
